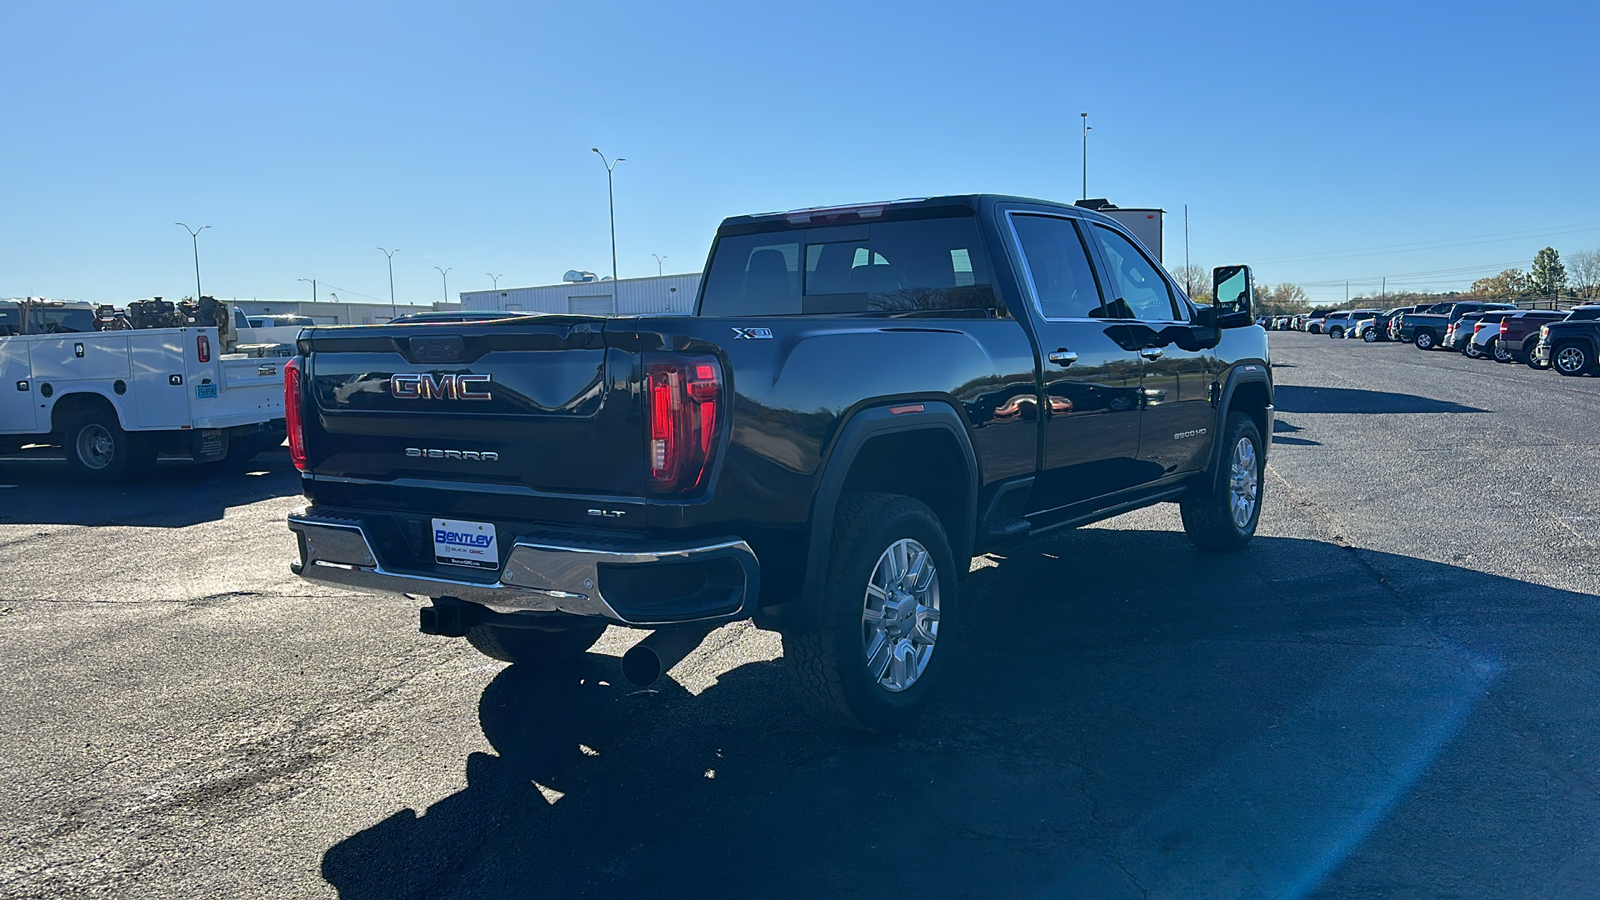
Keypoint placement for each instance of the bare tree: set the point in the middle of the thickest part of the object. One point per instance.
(1196, 282)
(1583, 273)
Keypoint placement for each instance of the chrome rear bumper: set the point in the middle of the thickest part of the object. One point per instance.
(564, 577)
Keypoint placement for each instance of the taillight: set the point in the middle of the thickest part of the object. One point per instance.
(292, 415)
(1504, 326)
(683, 396)
(202, 348)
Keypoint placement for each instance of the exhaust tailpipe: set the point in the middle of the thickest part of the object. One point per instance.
(652, 657)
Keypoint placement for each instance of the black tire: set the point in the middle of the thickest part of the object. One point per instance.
(532, 647)
(830, 667)
(96, 446)
(1336, 333)
(1208, 517)
(1370, 335)
(1532, 363)
(1571, 358)
(1424, 340)
(1470, 350)
(1500, 352)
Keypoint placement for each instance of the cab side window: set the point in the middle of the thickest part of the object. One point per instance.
(1058, 263)
(1136, 281)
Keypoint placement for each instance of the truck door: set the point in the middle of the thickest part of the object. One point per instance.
(1175, 387)
(18, 409)
(1090, 385)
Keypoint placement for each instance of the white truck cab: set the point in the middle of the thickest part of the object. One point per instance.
(115, 399)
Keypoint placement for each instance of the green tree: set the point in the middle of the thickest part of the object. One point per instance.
(1510, 283)
(1549, 275)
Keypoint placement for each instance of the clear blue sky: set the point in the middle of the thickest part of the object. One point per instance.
(309, 134)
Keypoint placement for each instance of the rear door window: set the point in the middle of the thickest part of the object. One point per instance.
(1057, 261)
(885, 267)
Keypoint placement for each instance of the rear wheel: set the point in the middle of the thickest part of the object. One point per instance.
(888, 600)
(1225, 519)
(1471, 351)
(1502, 353)
(1370, 335)
(1336, 333)
(1571, 359)
(97, 447)
(528, 646)
(1532, 362)
(1424, 340)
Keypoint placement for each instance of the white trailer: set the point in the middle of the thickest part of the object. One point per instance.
(114, 400)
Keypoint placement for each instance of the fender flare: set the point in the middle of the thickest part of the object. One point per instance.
(875, 421)
(1249, 373)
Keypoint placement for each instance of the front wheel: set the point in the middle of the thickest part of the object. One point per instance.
(1571, 359)
(888, 601)
(1225, 517)
(532, 647)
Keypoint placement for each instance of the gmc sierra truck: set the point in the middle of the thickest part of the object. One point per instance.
(866, 398)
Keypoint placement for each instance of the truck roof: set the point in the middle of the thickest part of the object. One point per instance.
(912, 208)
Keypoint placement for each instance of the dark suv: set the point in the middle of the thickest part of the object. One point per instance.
(1572, 345)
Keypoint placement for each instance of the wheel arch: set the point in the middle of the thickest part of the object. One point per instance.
(924, 453)
(70, 405)
(1247, 390)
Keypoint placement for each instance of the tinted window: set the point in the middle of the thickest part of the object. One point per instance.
(10, 320)
(926, 264)
(1580, 314)
(1136, 280)
(47, 320)
(1058, 263)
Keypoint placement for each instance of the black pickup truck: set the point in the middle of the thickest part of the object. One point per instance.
(866, 398)
(1572, 345)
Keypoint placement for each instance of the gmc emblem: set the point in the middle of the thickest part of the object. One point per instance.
(439, 387)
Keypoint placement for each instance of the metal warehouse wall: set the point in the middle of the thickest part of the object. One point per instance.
(670, 294)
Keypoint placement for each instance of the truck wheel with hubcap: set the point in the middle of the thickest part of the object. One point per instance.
(532, 647)
(1370, 335)
(1225, 518)
(1336, 333)
(97, 447)
(1502, 353)
(1424, 340)
(1571, 359)
(888, 596)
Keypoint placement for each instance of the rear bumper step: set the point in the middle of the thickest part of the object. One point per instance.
(642, 584)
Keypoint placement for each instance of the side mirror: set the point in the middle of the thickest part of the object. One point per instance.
(1234, 290)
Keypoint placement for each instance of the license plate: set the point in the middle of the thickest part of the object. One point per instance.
(457, 543)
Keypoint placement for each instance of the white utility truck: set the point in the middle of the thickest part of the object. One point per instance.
(114, 390)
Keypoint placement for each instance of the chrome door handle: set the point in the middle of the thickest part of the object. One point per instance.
(1151, 352)
(1063, 357)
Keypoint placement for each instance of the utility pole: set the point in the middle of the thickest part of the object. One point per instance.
(1186, 268)
(313, 287)
(390, 254)
(444, 275)
(611, 199)
(1085, 155)
(1347, 293)
(1384, 296)
(659, 258)
(194, 237)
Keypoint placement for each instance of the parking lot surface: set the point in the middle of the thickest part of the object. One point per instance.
(1394, 692)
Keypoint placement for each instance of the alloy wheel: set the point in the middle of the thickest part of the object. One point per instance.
(1244, 483)
(900, 615)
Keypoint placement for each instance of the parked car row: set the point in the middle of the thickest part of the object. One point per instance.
(1565, 340)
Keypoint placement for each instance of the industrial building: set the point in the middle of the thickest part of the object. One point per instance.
(326, 312)
(659, 294)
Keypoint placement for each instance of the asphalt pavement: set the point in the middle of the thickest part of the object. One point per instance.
(1394, 692)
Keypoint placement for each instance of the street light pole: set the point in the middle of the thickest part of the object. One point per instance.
(313, 287)
(1085, 155)
(495, 278)
(194, 237)
(659, 258)
(444, 275)
(390, 254)
(611, 198)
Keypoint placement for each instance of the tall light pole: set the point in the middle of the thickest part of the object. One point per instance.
(444, 275)
(194, 237)
(495, 278)
(390, 254)
(611, 198)
(313, 287)
(1085, 155)
(659, 258)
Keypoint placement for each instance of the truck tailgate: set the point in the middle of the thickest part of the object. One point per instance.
(537, 405)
